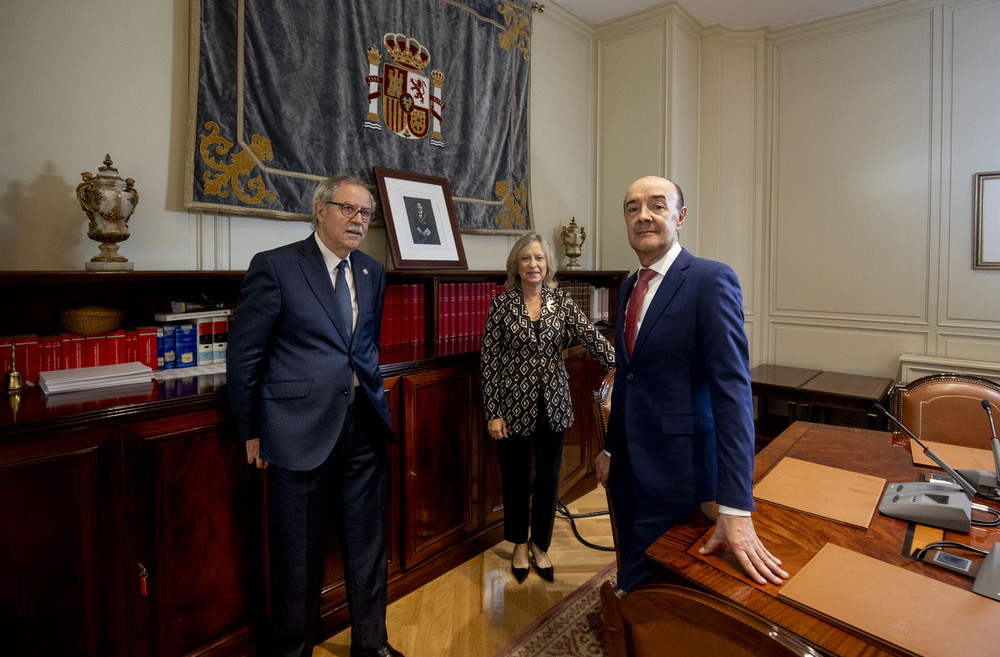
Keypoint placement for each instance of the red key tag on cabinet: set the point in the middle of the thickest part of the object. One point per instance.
(143, 573)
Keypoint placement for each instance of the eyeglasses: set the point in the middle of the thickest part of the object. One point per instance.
(349, 210)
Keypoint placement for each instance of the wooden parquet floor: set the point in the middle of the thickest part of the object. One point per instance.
(475, 609)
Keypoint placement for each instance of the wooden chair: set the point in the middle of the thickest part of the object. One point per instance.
(947, 408)
(661, 620)
(602, 409)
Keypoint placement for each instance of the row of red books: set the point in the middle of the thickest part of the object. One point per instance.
(172, 344)
(463, 308)
(34, 353)
(403, 315)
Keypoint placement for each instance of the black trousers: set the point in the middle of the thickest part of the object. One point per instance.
(350, 487)
(519, 515)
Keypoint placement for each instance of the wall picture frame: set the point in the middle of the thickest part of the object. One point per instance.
(419, 220)
(986, 221)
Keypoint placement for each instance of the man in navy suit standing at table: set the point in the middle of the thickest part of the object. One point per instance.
(681, 426)
(307, 396)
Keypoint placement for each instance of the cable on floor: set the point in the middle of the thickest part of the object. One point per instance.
(563, 510)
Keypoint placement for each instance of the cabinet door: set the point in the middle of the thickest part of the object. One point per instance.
(197, 510)
(61, 588)
(440, 458)
(580, 448)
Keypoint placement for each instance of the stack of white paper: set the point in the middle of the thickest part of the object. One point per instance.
(85, 378)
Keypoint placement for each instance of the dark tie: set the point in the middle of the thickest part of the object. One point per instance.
(343, 294)
(634, 306)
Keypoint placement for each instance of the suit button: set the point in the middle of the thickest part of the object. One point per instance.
(630, 376)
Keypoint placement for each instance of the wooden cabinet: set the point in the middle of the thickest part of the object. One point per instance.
(442, 461)
(194, 511)
(61, 587)
(132, 526)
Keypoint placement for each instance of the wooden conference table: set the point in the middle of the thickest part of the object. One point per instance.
(795, 537)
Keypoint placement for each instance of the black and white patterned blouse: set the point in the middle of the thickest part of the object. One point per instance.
(517, 365)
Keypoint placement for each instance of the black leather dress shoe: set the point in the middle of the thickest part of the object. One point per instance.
(548, 573)
(384, 651)
(520, 574)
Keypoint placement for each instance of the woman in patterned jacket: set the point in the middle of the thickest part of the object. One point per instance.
(526, 395)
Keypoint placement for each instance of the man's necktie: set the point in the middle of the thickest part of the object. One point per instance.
(343, 294)
(634, 306)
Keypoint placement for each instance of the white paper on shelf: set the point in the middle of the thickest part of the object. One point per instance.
(102, 376)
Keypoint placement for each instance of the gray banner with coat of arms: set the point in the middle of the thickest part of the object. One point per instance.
(287, 92)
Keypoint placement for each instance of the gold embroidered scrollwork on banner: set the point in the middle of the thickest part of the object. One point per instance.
(518, 32)
(241, 164)
(514, 213)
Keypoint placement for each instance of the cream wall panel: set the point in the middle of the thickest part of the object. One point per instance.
(631, 127)
(683, 119)
(562, 128)
(74, 92)
(730, 158)
(851, 206)
(972, 56)
(843, 348)
(973, 347)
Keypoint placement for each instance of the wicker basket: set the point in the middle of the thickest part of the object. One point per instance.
(91, 320)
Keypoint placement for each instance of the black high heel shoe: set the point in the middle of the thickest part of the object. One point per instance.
(545, 573)
(520, 574)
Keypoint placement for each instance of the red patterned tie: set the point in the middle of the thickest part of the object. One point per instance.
(634, 306)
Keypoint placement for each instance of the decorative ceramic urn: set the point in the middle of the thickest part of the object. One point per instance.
(572, 239)
(109, 202)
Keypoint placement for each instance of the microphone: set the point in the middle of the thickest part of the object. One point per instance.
(994, 444)
(969, 489)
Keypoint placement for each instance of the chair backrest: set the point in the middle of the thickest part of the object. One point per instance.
(602, 410)
(947, 408)
(602, 403)
(661, 620)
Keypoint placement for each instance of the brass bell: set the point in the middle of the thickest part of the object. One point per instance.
(13, 382)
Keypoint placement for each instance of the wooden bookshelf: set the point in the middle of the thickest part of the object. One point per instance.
(152, 487)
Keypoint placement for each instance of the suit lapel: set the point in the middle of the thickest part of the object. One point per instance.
(316, 275)
(668, 288)
(363, 288)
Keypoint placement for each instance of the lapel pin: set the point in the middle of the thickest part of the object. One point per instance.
(364, 271)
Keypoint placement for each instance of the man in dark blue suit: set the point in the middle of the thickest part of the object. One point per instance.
(681, 429)
(307, 397)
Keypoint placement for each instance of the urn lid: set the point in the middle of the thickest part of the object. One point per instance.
(108, 170)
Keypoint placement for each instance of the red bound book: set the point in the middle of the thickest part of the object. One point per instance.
(6, 356)
(463, 310)
(394, 316)
(73, 349)
(414, 310)
(48, 355)
(114, 348)
(146, 346)
(384, 328)
(131, 346)
(442, 303)
(482, 289)
(402, 323)
(453, 313)
(26, 352)
(95, 350)
(421, 315)
(448, 312)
